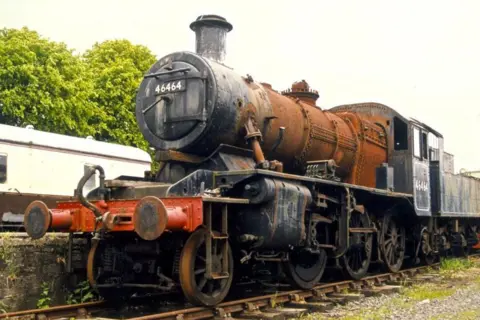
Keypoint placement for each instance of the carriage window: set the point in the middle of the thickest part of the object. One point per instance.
(3, 168)
(416, 142)
(400, 134)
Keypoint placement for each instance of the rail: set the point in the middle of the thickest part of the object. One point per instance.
(78, 311)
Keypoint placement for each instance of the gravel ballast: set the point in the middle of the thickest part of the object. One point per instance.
(453, 295)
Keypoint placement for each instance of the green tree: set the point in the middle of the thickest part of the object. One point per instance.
(119, 66)
(42, 83)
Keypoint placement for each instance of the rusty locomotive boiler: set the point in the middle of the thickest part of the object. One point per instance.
(262, 185)
(196, 119)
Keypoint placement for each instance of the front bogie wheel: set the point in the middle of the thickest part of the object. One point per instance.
(100, 280)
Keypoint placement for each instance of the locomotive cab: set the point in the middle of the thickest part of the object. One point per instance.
(425, 154)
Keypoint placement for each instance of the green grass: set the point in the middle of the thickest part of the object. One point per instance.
(427, 291)
(455, 264)
(456, 267)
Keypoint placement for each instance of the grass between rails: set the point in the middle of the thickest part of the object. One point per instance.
(454, 273)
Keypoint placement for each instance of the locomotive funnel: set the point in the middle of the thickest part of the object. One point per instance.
(210, 36)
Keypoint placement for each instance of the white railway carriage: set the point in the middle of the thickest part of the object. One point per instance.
(41, 165)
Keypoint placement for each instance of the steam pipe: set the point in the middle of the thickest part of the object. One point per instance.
(91, 171)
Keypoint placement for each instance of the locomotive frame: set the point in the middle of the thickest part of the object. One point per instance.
(364, 184)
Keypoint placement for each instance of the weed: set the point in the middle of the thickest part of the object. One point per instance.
(455, 264)
(44, 301)
(7, 255)
(3, 307)
(83, 293)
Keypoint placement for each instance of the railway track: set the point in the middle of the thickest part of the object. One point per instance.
(77, 311)
(295, 302)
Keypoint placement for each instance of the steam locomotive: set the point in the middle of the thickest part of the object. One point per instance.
(259, 184)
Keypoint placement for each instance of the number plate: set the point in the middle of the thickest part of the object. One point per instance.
(170, 87)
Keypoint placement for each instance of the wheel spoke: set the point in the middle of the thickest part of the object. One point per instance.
(202, 284)
(210, 287)
(356, 259)
(393, 246)
(390, 254)
(200, 271)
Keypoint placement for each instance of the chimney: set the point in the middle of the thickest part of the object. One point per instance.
(210, 36)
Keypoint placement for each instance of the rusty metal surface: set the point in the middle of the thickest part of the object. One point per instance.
(171, 155)
(64, 311)
(37, 219)
(357, 145)
(293, 129)
(202, 277)
(62, 219)
(150, 218)
(91, 264)
(302, 91)
(183, 213)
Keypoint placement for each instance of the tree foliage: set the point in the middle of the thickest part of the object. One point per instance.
(118, 66)
(42, 83)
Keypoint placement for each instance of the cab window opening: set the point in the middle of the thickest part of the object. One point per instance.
(434, 153)
(3, 168)
(400, 134)
(416, 142)
(424, 146)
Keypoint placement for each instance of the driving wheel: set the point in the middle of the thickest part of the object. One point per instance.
(197, 287)
(356, 259)
(392, 242)
(304, 269)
